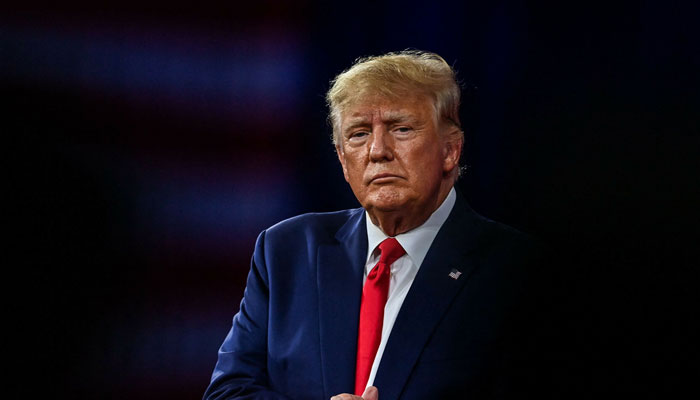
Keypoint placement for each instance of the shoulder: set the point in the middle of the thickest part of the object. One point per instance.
(484, 233)
(295, 241)
(495, 237)
(314, 226)
(499, 232)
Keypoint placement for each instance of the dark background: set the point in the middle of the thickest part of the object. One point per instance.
(149, 143)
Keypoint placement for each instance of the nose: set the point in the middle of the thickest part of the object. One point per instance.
(381, 145)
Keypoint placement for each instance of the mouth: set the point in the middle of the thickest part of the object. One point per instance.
(384, 178)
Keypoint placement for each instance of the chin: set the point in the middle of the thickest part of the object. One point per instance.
(386, 200)
(385, 207)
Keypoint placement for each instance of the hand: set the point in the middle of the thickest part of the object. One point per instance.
(371, 393)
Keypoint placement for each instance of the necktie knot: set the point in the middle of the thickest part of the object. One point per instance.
(391, 251)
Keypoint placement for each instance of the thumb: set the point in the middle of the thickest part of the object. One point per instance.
(371, 393)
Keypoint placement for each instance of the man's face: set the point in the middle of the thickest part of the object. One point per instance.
(393, 155)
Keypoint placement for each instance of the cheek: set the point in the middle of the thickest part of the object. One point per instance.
(427, 177)
(428, 164)
(354, 165)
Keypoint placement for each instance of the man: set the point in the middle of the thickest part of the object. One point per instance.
(412, 296)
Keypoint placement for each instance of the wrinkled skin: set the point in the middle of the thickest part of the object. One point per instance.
(399, 160)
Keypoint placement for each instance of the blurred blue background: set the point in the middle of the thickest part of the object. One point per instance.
(149, 143)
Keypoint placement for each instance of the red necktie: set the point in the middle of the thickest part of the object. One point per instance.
(374, 295)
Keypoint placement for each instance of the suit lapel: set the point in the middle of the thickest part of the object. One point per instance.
(340, 267)
(428, 299)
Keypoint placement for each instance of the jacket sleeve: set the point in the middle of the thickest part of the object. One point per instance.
(241, 369)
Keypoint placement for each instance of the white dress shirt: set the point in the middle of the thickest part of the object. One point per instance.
(416, 242)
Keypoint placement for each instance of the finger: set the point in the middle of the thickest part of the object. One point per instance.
(371, 393)
(345, 396)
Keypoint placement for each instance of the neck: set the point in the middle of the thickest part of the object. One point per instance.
(395, 222)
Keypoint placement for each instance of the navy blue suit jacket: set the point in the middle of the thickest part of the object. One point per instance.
(296, 333)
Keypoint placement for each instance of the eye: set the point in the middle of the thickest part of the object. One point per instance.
(358, 135)
(403, 130)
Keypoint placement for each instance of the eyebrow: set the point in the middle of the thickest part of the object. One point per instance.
(356, 123)
(389, 117)
(397, 116)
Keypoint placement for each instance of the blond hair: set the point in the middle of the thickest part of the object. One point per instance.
(394, 75)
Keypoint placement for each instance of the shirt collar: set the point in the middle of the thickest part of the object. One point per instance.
(418, 240)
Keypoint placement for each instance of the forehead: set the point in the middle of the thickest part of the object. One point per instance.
(417, 107)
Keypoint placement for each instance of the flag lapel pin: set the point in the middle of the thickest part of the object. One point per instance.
(454, 274)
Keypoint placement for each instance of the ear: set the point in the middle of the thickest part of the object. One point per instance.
(452, 149)
(341, 158)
